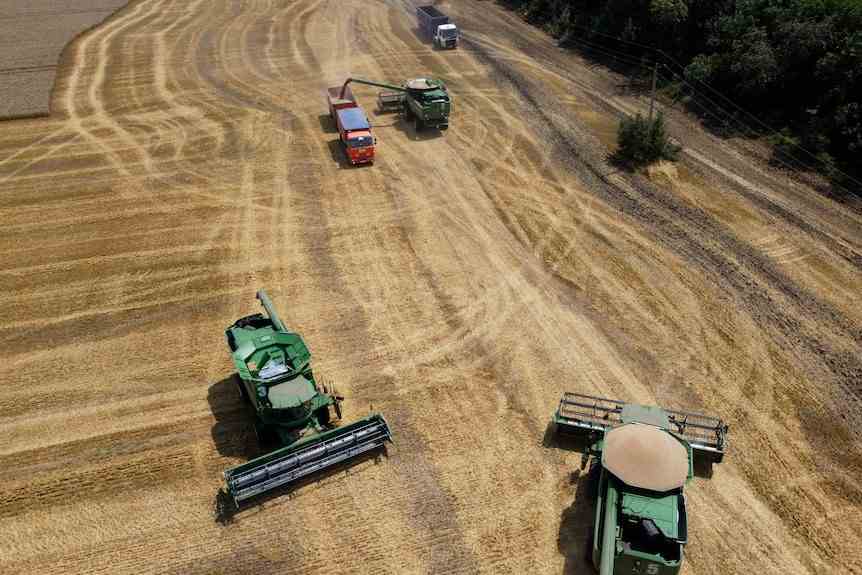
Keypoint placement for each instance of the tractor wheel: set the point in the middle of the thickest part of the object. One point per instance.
(418, 126)
(323, 415)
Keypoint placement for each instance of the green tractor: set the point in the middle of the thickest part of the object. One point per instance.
(424, 100)
(291, 409)
(643, 457)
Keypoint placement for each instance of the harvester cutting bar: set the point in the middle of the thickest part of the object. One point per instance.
(579, 413)
(706, 435)
(293, 462)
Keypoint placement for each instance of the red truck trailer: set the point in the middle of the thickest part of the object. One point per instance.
(354, 131)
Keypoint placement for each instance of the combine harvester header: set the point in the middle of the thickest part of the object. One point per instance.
(579, 414)
(290, 408)
(306, 458)
(643, 456)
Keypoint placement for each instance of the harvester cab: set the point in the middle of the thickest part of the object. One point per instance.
(644, 457)
(290, 408)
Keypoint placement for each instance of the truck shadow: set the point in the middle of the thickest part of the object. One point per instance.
(327, 124)
(422, 35)
(574, 539)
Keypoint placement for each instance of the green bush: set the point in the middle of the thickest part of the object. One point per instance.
(641, 142)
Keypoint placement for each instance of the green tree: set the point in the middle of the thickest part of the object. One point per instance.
(642, 142)
(669, 12)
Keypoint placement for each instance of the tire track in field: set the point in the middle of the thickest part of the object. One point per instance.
(95, 112)
(629, 207)
(405, 38)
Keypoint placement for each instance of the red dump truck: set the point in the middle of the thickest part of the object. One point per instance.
(354, 131)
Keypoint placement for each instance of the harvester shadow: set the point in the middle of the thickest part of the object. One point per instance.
(554, 440)
(574, 539)
(226, 510)
(233, 430)
(702, 466)
(233, 435)
(409, 129)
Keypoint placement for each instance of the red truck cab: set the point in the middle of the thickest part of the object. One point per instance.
(354, 130)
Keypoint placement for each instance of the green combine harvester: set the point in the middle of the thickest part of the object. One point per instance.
(643, 456)
(426, 101)
(291, 409)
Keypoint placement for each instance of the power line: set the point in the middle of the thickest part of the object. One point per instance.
(625, 59)
(602, 47)
(750, 130)
(764, 127)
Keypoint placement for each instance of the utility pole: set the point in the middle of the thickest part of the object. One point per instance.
(652, 95)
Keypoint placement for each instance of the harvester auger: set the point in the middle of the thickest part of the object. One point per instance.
(644, 456)
(425, 100)
(275, 377)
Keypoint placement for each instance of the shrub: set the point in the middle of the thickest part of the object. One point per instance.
(642, 142)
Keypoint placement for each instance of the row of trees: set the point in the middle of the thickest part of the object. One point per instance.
(796, 64)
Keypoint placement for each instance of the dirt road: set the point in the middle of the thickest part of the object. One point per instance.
(459, 286)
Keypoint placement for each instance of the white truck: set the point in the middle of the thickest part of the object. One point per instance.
(436, 25)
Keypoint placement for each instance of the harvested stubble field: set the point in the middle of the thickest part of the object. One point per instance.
(459, 285)
(33, 33)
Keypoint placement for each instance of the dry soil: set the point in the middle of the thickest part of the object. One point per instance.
(458, 286)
